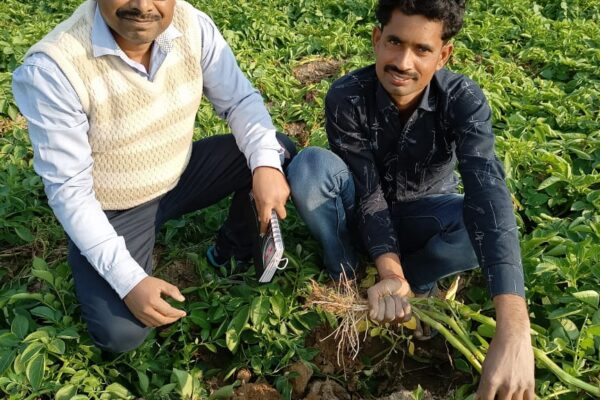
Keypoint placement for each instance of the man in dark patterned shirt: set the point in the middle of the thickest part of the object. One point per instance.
(397, 129)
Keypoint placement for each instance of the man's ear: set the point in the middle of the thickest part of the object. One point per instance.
(375, 36)
(445, 55)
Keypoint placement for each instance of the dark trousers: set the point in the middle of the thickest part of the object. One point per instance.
(432, 237)
(216, 169)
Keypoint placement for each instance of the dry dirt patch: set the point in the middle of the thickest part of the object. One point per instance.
(256, 391)
(298, 130)
(314, 70)
(6, 124)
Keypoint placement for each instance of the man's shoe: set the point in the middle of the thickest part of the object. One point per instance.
(216, 260)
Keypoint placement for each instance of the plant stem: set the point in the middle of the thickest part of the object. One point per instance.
(564, 376)
(450, 338)
(459, 331)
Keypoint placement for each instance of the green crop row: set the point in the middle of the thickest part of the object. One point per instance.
(537, 62)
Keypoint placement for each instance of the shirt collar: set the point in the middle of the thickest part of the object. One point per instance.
(103, 42)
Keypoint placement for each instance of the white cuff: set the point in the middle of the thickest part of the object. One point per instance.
(125, 276)
(267, 158)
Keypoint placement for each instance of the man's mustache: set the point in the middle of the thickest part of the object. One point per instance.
(134, 13)
(403, 74)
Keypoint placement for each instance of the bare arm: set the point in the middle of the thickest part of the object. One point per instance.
(508, 369)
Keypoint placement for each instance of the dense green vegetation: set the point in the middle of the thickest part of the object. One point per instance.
(537, 61)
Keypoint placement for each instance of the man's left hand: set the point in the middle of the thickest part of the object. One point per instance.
(388, 300)
(271, 192)
(508, 369)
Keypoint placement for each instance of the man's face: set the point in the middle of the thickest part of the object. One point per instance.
(408, 51)
(136, 22)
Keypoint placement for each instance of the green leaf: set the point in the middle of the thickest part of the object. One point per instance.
(200, 318)
(39, 264)
(69, 333)
(590, 297)
(66, 392)
(24, 234)
(118, 390)
(570, 328)
(20, 326)
(12, 112)
(235, 328)
(563, 312)
(37, 335)
(43, 275)
(486, 331)
(226, 392)
(143, 380)
(210, 347)
(6, 359)
(462, 365)
(44, 312)
(185, 382)
(35, 370)
(259, 310)
(166, 389)
(278, 304)
(549, 182)
(9, 339)
(25, 296)
(30, 352)
(56, 346)
(593, 330)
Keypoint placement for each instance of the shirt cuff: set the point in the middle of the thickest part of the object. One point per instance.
(125, 276)
(379, 250)
(267, 158)
(505, 279)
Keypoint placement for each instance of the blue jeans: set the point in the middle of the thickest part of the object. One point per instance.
(432, 237)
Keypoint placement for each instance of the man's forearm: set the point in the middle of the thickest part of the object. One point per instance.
(512, 317)
(388, 265)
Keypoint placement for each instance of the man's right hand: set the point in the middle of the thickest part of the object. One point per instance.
(147, 305)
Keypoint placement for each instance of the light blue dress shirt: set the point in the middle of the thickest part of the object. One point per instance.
(58, 128)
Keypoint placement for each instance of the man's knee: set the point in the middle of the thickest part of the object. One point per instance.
(118, 336)
(314, 166)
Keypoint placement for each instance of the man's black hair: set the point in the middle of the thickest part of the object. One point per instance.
(449, 12)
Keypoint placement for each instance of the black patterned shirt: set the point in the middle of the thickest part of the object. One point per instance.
(394, 161)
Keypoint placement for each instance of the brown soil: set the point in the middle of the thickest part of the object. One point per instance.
(243, 375)
(395, 374)
(327, 390)
(256, 391)
(327, 359)
(181, 273)
(7, 124)
(299, 382)
(299, 131)
(315, 70)
(407, 395)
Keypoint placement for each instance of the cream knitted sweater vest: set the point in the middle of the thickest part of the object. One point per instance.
(140, 131)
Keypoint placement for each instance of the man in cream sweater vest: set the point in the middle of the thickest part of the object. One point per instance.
(111, 95)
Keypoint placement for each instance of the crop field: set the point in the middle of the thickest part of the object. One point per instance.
(539, 65)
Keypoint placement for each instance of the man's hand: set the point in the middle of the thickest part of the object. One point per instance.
(146, 304)
(388, 300)
(508, 369)
(271, 192)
